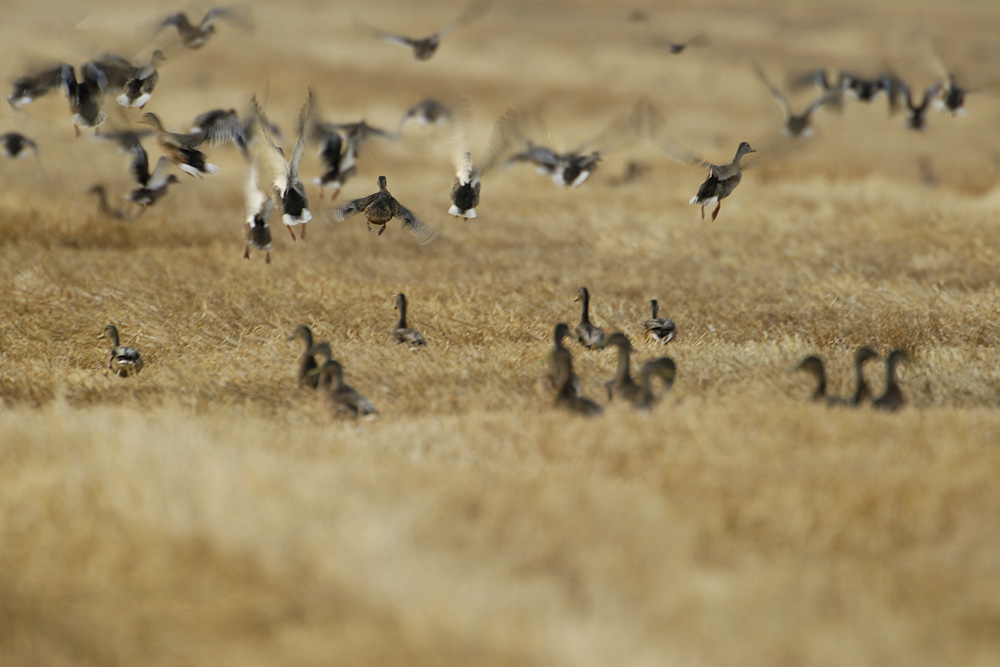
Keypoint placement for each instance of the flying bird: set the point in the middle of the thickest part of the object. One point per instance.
(425, 47)
(381, 207)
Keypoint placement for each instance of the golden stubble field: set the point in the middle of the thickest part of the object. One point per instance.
(209, 512)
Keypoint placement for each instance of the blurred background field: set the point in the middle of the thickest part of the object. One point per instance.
(209, 512)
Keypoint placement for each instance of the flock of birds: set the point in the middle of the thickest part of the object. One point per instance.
(274, 181)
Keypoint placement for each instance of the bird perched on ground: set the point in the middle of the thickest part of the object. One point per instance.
(286, 185)
(381, 207)
(123, 361)
(259, 206)
(424, 48)
(466, 186)
(403, 334)
(306, 377)
(16, 145)
(138, 88)
(194, 36)
(339, 397)
(622, 384)
(181, 149)
(660, 329)
(892, 399)
(586, 333)
(796, 124)
(567, 386)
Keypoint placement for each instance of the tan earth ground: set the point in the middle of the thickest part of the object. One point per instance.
(207, 512)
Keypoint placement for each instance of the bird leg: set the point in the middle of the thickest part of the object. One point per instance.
(290, 231)
(304, 231)
(715, 213)
(267, 256)
(702, 212)
(246, 251)
(381, 230)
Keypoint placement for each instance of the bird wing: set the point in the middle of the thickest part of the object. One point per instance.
(254, 196)
(502, 138)
(272, 157)
(159, 177)
(777, 94)
(356, 206)
(238, 18)
(300, 145)
(472, 12)
(140, 163)
(413, 224)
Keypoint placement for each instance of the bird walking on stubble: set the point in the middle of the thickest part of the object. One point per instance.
(660, 329)
(381, 207)
(586, 333)
(123, 360)
(425, 47)
(339, 397)
(404, 334)
(892, 399)
(307, 363)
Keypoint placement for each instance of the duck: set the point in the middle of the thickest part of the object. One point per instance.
(259, 206)
(861, 88)
(123, 361)
(862, 393)
(30, 87)
(306, 377)
(286, 186)
(586, 333)
(546, 384)
(141, 81)
(467, 184)
(567, 385)
(425, 47)
(814, 366)
(341, 398)
(916, 111)
(403, 334)
(194, 36)
(427, 112)
(622, 384)
(85, 96)
(892, 398)
(337, 156)
(796, 124)
(222, 126)
(721, 181)
(104, 208)
(830, 88)
(663, 368)
(568, 170)
(181, 149)
(381, 207)
(660, 329)
(952, 98)
(16, 145)
(152, 186)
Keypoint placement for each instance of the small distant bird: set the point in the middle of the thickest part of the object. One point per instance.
(952, 99)
(194, 36)
(814, 366)
(403, 334)
(258, 206)
(830, 88)
(427, 112)
(567, 386)
(546, 384)
(660, 329)
(678, 47)
(181, 149)
(286, 185)
(139, 86)
(892, 399)
(104, 208)
(306, 377)
(16, 145)
(916, 110)
(466, 186)
(861, 88)
(796, 124)
(341, 398)
(721, 181)
(861, 392)
(381, 207)
(338, 160)
(424, 48)
(586, 333)
(123, 361)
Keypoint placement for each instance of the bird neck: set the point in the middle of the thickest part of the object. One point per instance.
(401, 305)
(654, 308)
(585, 314)
(622, 374)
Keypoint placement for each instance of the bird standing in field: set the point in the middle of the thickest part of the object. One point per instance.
(306, 377)
(425, 47)
(547, 383)
(586, 333)
(861, 391)
(404, 334)
(381, 207)
(622, 384)
(660, 329)
(286, 185)
(16, 145)
(123, 361)
(892, 399)
(341, 398)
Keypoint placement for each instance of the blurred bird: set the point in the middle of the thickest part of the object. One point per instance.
(660, 329)
(814, 366)
(403, 334)
(675, 48)
(194, 36)
(285, 182)
(663, 368)
(123, 361)
(16, 145)
(339, 397)
(220, 126)
(258, 206)
(796, 124)
(861, 391)
(104, 208)
(381, 207)
(181, 149)
(622, 384)
(427, 112)
(566, 384)
(139, 86)
(152, 186)
(466, 186)
(586, 333)
(307, 364)
(29, 88)
(892, 399)
(424, 48)
(546, 384)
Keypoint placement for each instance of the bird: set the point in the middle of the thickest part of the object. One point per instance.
(180, 148)
(675, 48)
(916, 110)
(139, 86)
(862, 392)
(660, 329)
(814, 366)
(622, 384)
(306, 377)
(427, 112)
(258, 206)
(16, 145)
(586, 333)
(403, 334)
(892, 399)
(425, 47)
(85, 96)
(105, 209)
(721, 181)
(194, 36)
(663, 368)
(152, 186)
(467, 184)
(567, 397)
(341, 398)
(952, 98)
(220, 126)
(286, 186)
(796, 124)
(338, 160)
(30, 87)
(381, 207)
(831, 89)
(123, 361)
(546, 384)
(861, 88)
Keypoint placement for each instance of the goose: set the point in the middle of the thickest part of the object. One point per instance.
(220, 126)
(338, 160)
(341, 398)
(916, 111)
(660, 329)
(181, 149)
(466, 186)
(892, 399)
(194, 36)
(862, 392)
(566, 384)
(285, 182)
(258, 206)
(306, 377)
(721, 181)
(814, 366)
(426, 112)
(424, 48)
(663, 368)
(16, 145)
(28, 88)
(546, 384)
(381, 207)
(952, 98)
(152, 186)
(862, 89)
(622, 384)
(832, 89)
(403, 334)
(104, 208)
(123, 361)
(586, 333)
(139, 86)
(796, 124)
